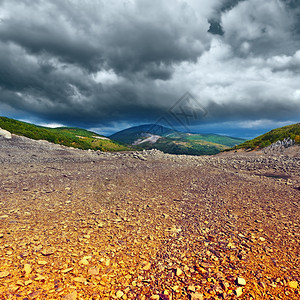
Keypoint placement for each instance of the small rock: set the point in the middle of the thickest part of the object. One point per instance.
(4, 274)
(293, 284)
(20, 283)
(239, 291)
(175, 288)
(179, 272)
(47, 252)
(67, 270)
(93, 271)
(84, 262)
(191, 288)
(175, 230)
(72, 296)
(231, 245)
(80, 279)
(197, 296)
(87, 257)
(27, 282)
(40, 277)
(119, 294)
(241, 281)
(27, 269)
(147, 267)
(42, 262)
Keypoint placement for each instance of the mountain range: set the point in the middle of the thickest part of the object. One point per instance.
(148, 136)
(169, 140)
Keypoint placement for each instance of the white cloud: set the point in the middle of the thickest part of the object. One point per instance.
(51, 125)
(262, 124)
(106, 77)
(285, 62)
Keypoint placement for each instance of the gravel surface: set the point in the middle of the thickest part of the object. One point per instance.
(146, 225)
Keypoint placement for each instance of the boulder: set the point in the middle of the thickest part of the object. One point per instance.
(4, 133)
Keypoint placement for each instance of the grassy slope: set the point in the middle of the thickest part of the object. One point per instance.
(71, 137)
(291, 131)
(217, 139)
(183, 146)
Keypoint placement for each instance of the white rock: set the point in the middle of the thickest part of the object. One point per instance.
(241, 281)
(239, 291)
(6, 134)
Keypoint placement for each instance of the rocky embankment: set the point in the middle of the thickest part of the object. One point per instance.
(91, 225)
(279, 146)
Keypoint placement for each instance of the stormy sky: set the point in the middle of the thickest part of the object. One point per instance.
(107, 65)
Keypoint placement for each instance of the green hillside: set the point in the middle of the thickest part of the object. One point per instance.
(278, 134)
(217, 139)
(71, 137)
(181, 146)
(175, 142)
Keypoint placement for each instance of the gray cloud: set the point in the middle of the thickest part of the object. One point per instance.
(124, 36)
(99, 62)
(260, 28)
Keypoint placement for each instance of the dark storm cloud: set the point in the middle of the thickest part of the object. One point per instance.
(96, 62)
(215, 21)
(51, 51)
(125, 37)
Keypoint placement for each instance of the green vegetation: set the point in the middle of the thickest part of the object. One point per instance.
(181, 146)
(278, 134)
(176, 142)
(217, 139)
(71, 137)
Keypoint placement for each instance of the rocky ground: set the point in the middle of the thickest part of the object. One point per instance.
(85, 225)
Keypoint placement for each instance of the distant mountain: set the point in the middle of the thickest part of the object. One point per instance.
(175, 142)
(130, 135)
(72, 137)
(278, 134)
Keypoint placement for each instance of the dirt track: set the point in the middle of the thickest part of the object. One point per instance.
(86, 225)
